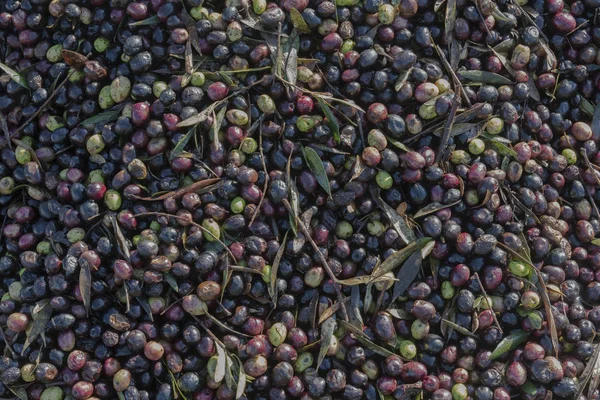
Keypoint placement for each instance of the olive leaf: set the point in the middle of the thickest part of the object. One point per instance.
(485, 77)
(327, 329)
(500, 148)
(170, 279)
(433, 207)
(41, 315)
(354, 310)
(450, 19)
(363, 279)
(410, 269)
(460, 329)
(290, 57)
(457, 129)
(315, 164)
(122, 245)
(104, 117)
(18, 391)
(241, 384)
(399, 257)
(529, 388)
(153, 20)
(402, 78)
(364, 339)
(400, 314)
(294, 200)
(587, 107)
(145, 306)
(406, 234)
(275, 268)
(14, 75)
(298, 21)
(182, 143)
(398, 144)
(509, 343)
(331, 121)
(330, 311)
(85, 285)
(596, 120)
(221, 364)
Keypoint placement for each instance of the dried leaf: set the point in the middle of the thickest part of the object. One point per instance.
(450, 19)
(41, 315)
(433, 207)
(182, 143)
(85, 285)
(327, 149)
(509, 343)
(406, 234)
(460, 329)
(327, 329)
(409, 271)
(122, 245)
(354, 310)
(190, 24)
(364, 279)
(457, 129)
(74, 59)
(221, 364)
(202, 186)
(331, 120)
(294, 199)
(330, 311)
(290, 57)
(543, 290)
(485, 77)
(298, 21)
(400, 314)
(316, 166)
(399, 257)
(153, 20)
(275, 268)
(241, 384)
(364, 339)
(443, 148)
(14, 75)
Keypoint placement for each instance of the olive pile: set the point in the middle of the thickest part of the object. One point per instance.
(302, 199)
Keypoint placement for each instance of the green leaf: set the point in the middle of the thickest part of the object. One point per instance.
(105, 117)
(153, 20)
(41, 315)
(409, 271)
(354, 309)
(587, 107)
(327, 329)
(241, 385)
(315, 164)
(332, 121)
(298, 21)
(398, 144)
(529, 388)
(364, 339)
(178, 149)
(485, 77)
(170, 279)
(14, 75)
(509, 343)
(18, 391)
(400, 314)
(450, 19)
(500, 148)
(596, 120)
